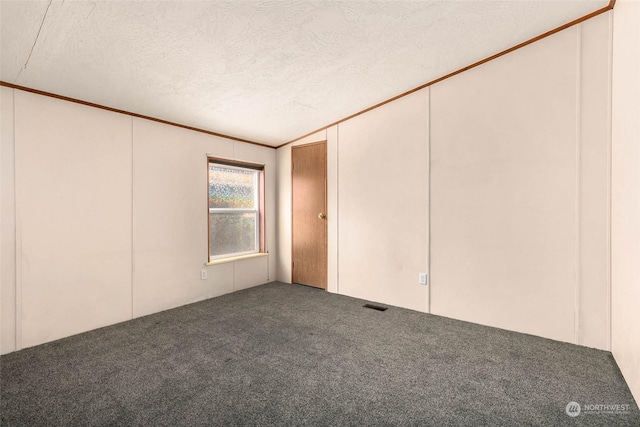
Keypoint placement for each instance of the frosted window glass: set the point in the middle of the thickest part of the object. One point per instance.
(234, 216)
(232, 188)
(232, 232)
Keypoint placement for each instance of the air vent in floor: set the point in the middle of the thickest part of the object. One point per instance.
(375, 307)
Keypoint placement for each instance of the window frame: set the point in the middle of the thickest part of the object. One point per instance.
(260, 208)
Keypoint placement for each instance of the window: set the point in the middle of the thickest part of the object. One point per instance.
(236, 209)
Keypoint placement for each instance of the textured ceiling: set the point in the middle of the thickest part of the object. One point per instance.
(267, 71)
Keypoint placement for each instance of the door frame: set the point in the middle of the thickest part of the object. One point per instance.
(326, 202)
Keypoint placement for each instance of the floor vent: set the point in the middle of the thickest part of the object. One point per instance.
(375, 307)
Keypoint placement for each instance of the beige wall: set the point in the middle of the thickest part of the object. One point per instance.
(7, 225)
(351, 148)
(625, 239)
(518, 203)
(594, 183)
(504, 191)
(170, 206)
(73, 218)
(383, 177)
(110, 218)
(519, 188)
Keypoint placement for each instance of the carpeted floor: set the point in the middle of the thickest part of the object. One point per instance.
(283, 354)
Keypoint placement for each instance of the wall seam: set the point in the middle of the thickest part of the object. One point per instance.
(609, 179)
(429, 276)
(265, 232)
(337, 208)
(18, 239)
(578, 189)
(17, 299)
(133, 266)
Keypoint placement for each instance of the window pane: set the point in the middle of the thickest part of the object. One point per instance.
(231, 188)
(232, 232)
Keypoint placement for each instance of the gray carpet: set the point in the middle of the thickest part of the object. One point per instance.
(283, 354)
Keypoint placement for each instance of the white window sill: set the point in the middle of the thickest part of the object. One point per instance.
(236, 258)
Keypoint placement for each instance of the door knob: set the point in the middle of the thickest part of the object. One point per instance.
(321, 216)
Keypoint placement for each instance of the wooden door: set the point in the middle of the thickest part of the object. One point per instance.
(309, 208)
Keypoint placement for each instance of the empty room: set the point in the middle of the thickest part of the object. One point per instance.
(320, 212)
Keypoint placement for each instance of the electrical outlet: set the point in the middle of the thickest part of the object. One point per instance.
(422, 278)
(203, 274)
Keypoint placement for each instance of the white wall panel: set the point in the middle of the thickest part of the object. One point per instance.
(594, 183)
(8, 225)
(503, 202)
(170, 217)
(111, 218)
(73, 210)
(283, 266)
(382, 198)
(519, 203)
(625, 220)
(266, 270)
(332, 209)
(250, 272)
